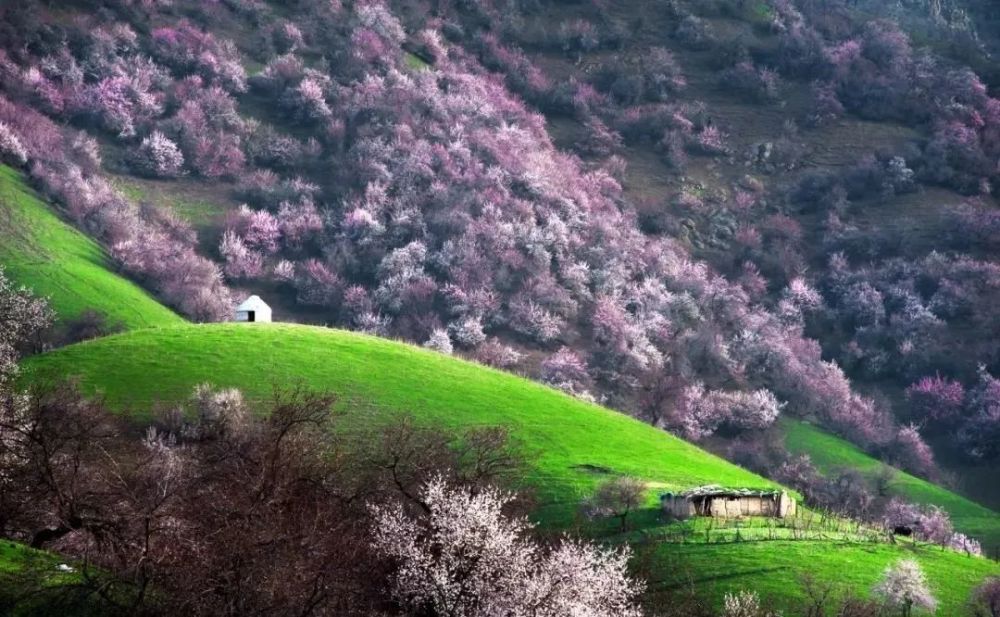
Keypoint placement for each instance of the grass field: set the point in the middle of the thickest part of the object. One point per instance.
(19, 564)
(202, 204)
(570, 444)
(573, 444)
(776, 569)
(11, 556)
(43, 252)
(830, 453)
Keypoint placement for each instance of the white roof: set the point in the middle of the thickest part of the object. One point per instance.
(253, 303)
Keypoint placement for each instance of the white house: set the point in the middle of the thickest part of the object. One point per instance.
(253, 309)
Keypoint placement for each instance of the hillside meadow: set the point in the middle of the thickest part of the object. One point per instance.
(41, 251)
(572, 444)
(831, 454)
(569, 444)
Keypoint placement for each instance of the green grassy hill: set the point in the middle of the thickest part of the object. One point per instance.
(32, 584)
(570, 440)
(830, 453)
(41, 251)
(571, 444)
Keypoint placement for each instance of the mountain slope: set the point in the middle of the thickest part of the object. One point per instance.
(830, 453)
(39, 250)
(570, 444)
(567, 438)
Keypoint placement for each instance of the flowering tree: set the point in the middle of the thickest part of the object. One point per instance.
(799, 473)
(308, 101)
(979, 434)
(931, 524)
(662, 73)
(986, 598)
(218, 413)
(567, 371)
(494, 353)
(299, 222)
(464, 557)
(159, 157)
(935, 526)
(759, 84)
(280, 73)
(210, 495)
(241, 261)
(700, 412)
(85, 151)
(534, 321)
(899, 513)
(912, 453)
(825, 107)
(121, 104)
(710, 140)
(440, 342)
(11, 148)
(21, 316)
(287, 37)
(695, 33)
(284, 271)
(269, 148)
(798, 300)
(904, 588)
(259, 229)
(187, 48)
(578, 36)
(208, 128)
(656, 78)
(467, 331)
(936, 399)
(744, 604)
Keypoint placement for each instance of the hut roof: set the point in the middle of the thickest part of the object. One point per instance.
(253, 303)
(714, 490)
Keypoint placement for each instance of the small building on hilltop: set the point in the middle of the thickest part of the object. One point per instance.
(253, 310)
(718, 501)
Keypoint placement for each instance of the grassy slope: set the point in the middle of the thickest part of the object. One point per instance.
(829, 453)
(11, 556)
(377, 377)
(373, 376)
(41, 251)
(776, 569)
(26, 575)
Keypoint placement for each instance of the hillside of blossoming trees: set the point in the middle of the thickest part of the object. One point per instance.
(722, 217)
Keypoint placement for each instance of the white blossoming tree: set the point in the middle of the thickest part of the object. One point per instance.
(904, 587)
(465, 558)
(159, 157)
(745, 604)
(22, 315)
(440, 341)
(11, 148)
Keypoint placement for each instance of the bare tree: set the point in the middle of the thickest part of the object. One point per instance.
(224, 515)
(617, 498)
(53, 445)
(407, 455)
(218, 510)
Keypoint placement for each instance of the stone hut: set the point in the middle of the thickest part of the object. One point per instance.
(715, 500)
